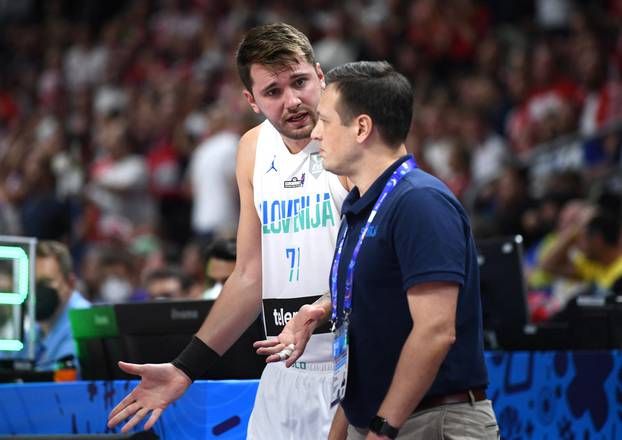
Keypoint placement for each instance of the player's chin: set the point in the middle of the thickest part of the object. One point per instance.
(299, 133)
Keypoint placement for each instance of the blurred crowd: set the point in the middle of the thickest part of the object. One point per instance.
(119, 122)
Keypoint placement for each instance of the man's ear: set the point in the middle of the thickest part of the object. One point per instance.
(251, 101)
(364, 127)
(320, 75)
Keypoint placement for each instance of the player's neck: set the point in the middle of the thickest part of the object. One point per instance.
(295, 145)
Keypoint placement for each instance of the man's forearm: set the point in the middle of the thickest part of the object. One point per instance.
(555, 259)
(419, 362)
(236, 308)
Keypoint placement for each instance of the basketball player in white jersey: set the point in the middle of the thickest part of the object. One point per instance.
(289, 219)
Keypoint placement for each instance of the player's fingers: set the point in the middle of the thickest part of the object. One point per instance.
(299, 349)
(282, 355)
(135, 369)
(300, 342)
(294, 357)
(155, 415)
(273, 358)
(266, 343)
(122, 404)
(124, 414)
(140, 414)
(270, 350)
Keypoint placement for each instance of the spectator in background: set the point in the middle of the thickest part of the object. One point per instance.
(193, 264)
(147, 255)
(489, 151)
(549, 293)
(119, 184)
(168, 282)
(436, 149)
(334, 48)
(42, 213)
(55, 296)
(212, 176)
(590, 252)
(551, 101)
(459, 177)
(84, 63)
(91, 272)
(221, 257)
(118, 277)
(503, 210)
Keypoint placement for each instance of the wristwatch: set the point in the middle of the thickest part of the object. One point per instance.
(380, 426)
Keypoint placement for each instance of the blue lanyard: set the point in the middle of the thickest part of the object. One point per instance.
(397, 175)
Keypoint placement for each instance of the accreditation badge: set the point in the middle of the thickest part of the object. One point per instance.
(340, 361)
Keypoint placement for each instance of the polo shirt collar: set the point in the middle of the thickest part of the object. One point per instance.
(354, 204)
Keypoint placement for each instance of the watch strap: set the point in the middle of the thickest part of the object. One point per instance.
(380, 426)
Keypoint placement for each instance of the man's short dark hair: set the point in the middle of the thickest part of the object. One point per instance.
(167, 272)
(58, 251)
(275, 45)
(223, 249)
(376, 89)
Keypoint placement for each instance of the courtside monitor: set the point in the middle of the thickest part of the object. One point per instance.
(157, 331)
(98, 344)
(502, 283)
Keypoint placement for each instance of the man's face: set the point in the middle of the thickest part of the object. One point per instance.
(287, 97)
(165, 288)
(339, 149)
(218, 270)
(48, 272)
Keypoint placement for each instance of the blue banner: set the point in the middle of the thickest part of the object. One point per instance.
(536, 395)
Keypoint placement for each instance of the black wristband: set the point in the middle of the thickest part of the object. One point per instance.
(196, 358)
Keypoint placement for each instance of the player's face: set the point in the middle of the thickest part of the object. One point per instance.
(339, 147)
(287, 97)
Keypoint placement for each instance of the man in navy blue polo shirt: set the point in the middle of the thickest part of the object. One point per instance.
(405, 273)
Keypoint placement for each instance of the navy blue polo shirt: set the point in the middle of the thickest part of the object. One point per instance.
(421, 234)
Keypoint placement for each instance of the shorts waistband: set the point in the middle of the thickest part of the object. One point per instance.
(313, 366)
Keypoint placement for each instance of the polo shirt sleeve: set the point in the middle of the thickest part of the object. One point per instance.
(429, 237)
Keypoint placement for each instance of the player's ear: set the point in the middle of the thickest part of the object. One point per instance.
(251, 101)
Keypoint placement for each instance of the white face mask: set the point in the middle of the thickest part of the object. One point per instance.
(115, 289)
(213, 292)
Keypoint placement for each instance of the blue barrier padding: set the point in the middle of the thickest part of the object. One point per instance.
(536, 395)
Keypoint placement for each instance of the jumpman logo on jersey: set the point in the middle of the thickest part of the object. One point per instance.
(272, 167)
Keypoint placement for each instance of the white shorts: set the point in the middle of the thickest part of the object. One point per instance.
(293, 403)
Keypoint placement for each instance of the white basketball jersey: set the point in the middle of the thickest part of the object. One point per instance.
(299, 207)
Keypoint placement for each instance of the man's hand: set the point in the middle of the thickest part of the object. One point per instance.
(296, 332)
(160, 385)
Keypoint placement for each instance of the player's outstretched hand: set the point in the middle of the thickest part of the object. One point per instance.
(290, 344)
(160, 385)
